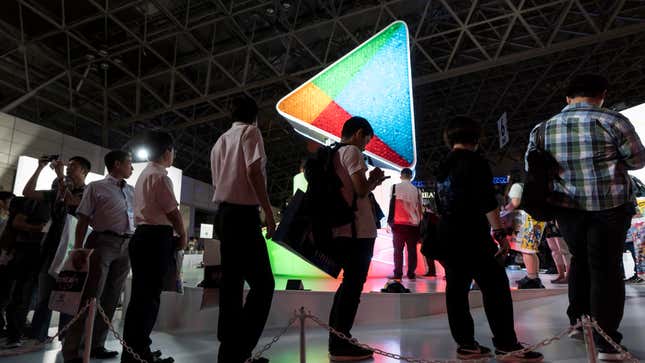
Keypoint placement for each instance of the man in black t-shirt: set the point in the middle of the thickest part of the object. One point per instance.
(64, 197)
(468, 208)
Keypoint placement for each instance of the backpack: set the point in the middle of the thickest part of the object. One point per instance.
(324, 202)
(542, 171)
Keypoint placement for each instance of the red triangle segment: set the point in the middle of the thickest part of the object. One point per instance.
(380, 148)
(332, 118)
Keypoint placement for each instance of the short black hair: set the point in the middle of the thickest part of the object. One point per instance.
(84, 163)
(245, 110)
(587, 85)
(157, 142)
(113, 156)
(354, 124)
(406, 172)
(6, 195)
(462, 130)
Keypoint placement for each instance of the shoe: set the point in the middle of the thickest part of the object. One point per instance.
(523, 280)
(412, 276)
(395, 277)
(13, 343)
(428, 274)
(154, 357)
(560, 280)
(476, 351)
(577, 334)
(634, 280)
(526, 357)
(611, 354)
(551, 271)
(349, 353)
(163, 360)
(535, 283)
(102, 353)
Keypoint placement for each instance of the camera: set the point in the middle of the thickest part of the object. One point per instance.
(49, 158)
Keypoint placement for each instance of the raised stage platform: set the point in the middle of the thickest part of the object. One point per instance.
(183, 313)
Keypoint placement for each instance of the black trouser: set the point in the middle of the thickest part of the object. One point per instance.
(244, 258)
(151, 250)
(42, 314)
(461, 268)
(596, 287)
(405, 236)
(354, 257)
(6, 288)
(23, 270)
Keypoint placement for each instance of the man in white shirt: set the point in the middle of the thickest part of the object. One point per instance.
(107, 206)
(299, 180)
(238, 169)
(355, 241)
(405, 217)
(156, 215)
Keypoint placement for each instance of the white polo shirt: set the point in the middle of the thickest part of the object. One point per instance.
(231, 156)
(109, 205)
(154, 196)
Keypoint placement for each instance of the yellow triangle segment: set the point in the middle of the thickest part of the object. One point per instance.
(306, 103)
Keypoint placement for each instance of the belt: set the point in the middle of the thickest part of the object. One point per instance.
(114, 234)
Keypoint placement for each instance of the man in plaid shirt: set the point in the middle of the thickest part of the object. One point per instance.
(595, 148)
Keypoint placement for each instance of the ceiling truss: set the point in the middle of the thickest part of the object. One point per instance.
(105, 70)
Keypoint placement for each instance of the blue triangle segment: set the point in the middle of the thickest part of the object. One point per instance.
(381, 92)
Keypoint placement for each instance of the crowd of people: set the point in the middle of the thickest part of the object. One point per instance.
(138, 229)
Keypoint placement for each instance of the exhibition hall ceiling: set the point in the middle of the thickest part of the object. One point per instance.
(105, 70)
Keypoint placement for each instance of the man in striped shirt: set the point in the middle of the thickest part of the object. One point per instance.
(595, 147)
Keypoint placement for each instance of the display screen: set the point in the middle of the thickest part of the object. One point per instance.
(501, 179)
(372, 81)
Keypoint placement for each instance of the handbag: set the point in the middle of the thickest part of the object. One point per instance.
(296, 232)
(542, 171)
(376, 210)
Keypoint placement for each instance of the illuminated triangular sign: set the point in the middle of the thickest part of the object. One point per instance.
(373, 81)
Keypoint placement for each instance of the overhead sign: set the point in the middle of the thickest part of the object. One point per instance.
(502, 128)
(373, 81)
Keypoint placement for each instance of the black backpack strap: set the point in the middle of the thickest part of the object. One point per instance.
(540, 139)
(334, 149)
(354, 207)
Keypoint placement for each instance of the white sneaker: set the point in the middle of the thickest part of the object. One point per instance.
(611, 354)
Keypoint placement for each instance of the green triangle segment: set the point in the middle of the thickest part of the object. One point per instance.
(337, 76)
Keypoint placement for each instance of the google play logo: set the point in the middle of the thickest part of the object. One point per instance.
(372, 81)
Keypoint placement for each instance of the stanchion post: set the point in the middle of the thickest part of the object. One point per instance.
(587, 331)
(303, 348)
(89, 327)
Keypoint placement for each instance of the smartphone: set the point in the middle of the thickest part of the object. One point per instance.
(49, 158)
